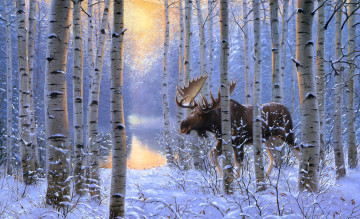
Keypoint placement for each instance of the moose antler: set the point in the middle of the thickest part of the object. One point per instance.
(215, 103)
(232, 86)
(189, 92)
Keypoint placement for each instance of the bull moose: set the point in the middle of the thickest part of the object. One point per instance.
(205, 116)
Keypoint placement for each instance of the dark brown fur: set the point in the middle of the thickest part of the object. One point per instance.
(276, 123)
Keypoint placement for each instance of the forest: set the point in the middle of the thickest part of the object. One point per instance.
(179, 109)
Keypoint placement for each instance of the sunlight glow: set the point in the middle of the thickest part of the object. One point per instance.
(141, 157)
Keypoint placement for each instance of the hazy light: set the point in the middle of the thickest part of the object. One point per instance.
(141, 157)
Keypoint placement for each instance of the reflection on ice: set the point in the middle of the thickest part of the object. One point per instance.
(141, 156)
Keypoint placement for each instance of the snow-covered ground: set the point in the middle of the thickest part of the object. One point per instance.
(170, 193)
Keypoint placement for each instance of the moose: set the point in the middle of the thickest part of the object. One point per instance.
(205, 116)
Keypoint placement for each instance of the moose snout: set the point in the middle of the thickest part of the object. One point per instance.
(184, 127)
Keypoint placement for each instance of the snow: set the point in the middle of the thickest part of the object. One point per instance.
(163, 192)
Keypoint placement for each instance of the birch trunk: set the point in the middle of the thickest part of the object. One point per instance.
(277, 78)
(228, 175)
(27, 149)
(257, 124)
(93, 109)
(310, 133)
(211, 43)
(90, 46)
(78, 99)
(248, 79)
(350, 117)
(180, 111)
(293, 67)
(169, 152)
(338, 97)
(90, 73)
(57, 125)
(202, 48)
(31, 52)
(320, 73)
(284, 38)
(188, 33)
(118, 176)
(9, 86)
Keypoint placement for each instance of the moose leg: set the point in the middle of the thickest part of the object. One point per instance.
(214, 155)
(271, 164)
(273, 144)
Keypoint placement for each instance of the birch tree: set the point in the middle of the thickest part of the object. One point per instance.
(248, 80)
(27, 150)
(166, 112)
(187, 57)
(284, 38)
(118, 134)
(90, 46)
(338, 95)
(31, 52)
(228, 176)
(202, 48)
(293, 67)
(211, 42)
(277, 78)
(180, 111)
(277, 75)
(9, 87)
(257, 124)
(78, 98)
(93, 108)
(310, 132)
(91, 61)
(57, 125)
(320, 72)
(350, 117)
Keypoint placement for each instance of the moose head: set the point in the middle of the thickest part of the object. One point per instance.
(204, 115)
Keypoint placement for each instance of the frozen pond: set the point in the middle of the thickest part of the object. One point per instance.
(144, 151)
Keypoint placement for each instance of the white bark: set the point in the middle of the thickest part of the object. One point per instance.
(310, 133)
(257, 124)
(57, 125)
(228, 175)
(284, 38)
(350, 117)
(166, 112)
(31, 52)
(93, 108)
(211, 42)
(338, 97)
(293, 67)
(118, 176)
(90, 73)
(27, 150)
(320, 73)
(9, 87)
(248, 78)
(78, 99)
(180, 111)
(202, 49)
(187, 57)
(277, 78)
(90, 46)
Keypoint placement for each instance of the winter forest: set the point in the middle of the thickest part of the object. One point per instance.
(179, 109)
